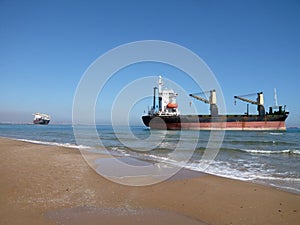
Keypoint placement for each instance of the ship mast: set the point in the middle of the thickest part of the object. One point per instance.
(275, 100)
(160, 84)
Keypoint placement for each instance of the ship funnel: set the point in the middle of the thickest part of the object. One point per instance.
(213, 97)
(260, 98)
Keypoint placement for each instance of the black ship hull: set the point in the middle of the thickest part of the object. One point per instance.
(220, 122)
(41, 121)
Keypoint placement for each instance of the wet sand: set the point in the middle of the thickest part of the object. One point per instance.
(54, 185)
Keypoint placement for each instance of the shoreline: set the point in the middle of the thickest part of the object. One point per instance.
(49, 184)
(74, 146)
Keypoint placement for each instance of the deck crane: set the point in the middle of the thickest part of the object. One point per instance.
(212, 101)
(259, 102)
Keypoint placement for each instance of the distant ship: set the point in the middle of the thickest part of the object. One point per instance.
(166, 116)
(40, 118)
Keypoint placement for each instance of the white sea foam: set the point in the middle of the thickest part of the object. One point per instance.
(291, 189)
(164, 159)
(276, 133)
(250, 172)
(258, 151)
(121, 151)
(297, 152)
(267, 177)
(223, 169)
(218, 168)
(67, 145)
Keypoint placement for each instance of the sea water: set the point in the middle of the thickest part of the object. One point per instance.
(271, 158)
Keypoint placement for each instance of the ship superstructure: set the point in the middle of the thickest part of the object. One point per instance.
(164, 101)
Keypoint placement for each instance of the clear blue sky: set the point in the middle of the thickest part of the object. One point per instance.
(45, 47)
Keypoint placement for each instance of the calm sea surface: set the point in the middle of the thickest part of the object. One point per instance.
(271, 158)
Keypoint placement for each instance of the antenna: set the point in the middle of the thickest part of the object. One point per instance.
(160, 84)
(275, 99)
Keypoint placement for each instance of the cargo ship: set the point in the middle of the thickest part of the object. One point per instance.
(164, 114)
(41, 118)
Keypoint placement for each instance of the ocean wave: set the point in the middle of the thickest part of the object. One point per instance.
(297, 152)
(165, 160)
(255, 142)
(218, 168)
(222, 169)
(272, 133)
(285, 151)
(265, 177)
(249, 172)
(66, 145)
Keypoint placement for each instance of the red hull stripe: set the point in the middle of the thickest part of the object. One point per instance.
(257, 125)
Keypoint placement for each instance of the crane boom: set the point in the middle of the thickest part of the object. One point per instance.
(200, 98)
(259, 102)
(246, 100)
(212, 101)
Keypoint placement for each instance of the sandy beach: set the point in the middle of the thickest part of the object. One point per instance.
(43, 184)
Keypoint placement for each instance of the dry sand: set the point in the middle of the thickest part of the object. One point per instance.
(54, 185)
